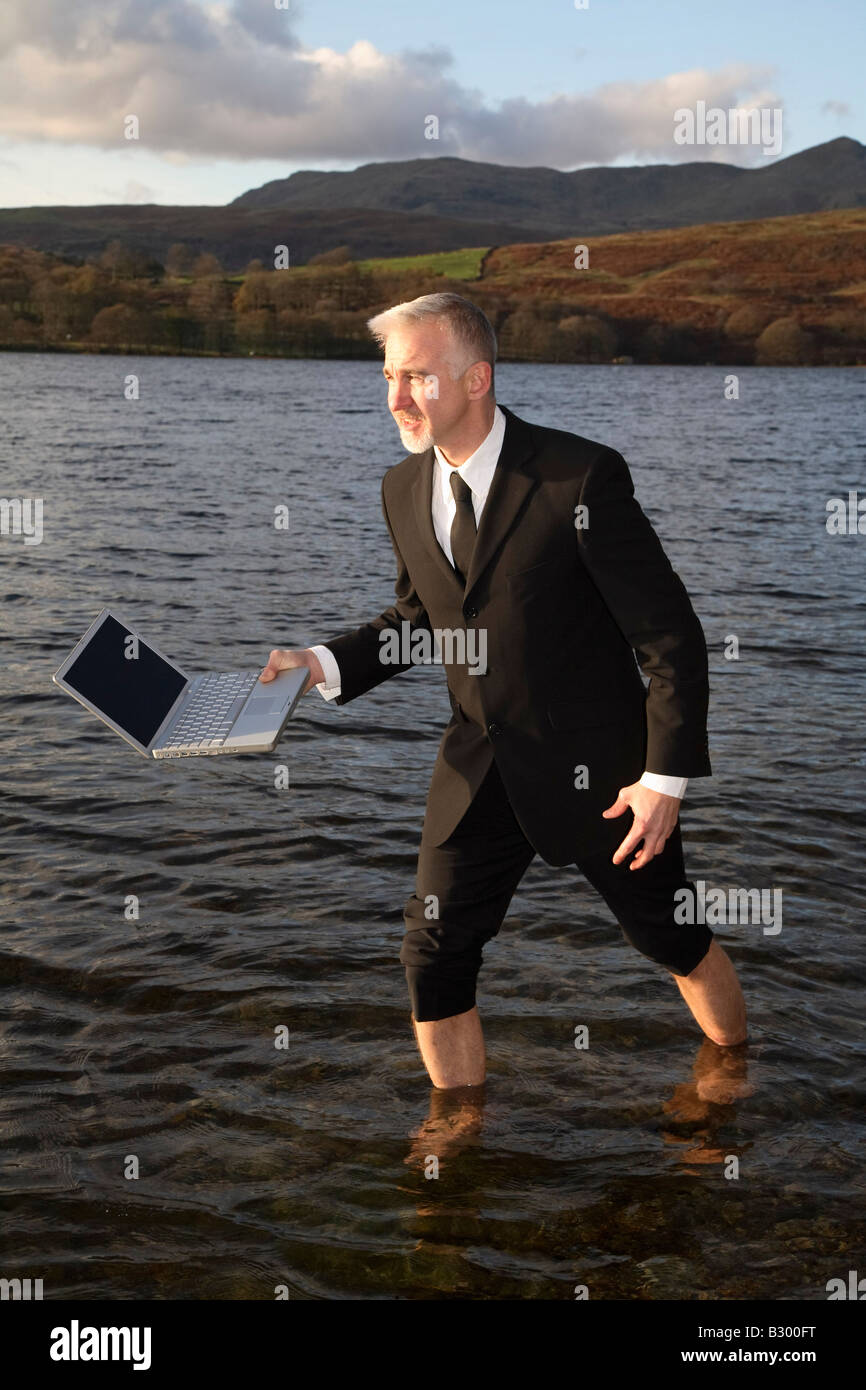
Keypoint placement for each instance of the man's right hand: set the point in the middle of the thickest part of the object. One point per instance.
(288, 660)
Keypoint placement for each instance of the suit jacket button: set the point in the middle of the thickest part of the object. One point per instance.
(471, 613)
(493, 730)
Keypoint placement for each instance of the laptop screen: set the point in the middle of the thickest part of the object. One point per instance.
(136, 692)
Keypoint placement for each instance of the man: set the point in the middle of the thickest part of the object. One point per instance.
(531, 539)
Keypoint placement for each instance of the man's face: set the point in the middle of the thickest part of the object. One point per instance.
(425, 401)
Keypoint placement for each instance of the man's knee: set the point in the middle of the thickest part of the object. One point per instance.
(694, 969)
(434, 995)
(679, 950)
(441, 957)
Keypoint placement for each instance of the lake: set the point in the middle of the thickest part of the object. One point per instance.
(148, 1045)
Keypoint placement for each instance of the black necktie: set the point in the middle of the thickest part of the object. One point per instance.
(463, 528)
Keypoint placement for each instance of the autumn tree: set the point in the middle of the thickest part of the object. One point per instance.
(209, 301)
(748, 321)
(179, 259)
(847, 332)
(254, 328)
(14, 289)
(210, 298)
(585, 338)
(256, 292)
(526, 337)
(53, 306)
(338, 255)
(123, 262)
(205, 264)
(116, 326)
(784, 343)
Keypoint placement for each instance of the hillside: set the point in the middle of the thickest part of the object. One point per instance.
(238, 235)
(781, 290)
(443, 204)
(718, 286)
(589, 202)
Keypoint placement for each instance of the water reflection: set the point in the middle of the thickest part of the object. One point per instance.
(699, 1108)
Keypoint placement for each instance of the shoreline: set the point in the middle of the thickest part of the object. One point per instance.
(82, 350)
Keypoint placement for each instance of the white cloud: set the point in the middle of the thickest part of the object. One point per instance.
(234, 83)
(837, 108)
(135, 192)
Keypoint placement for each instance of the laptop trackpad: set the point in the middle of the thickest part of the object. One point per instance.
(264, 704)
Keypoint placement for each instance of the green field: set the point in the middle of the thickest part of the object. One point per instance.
(457, 265)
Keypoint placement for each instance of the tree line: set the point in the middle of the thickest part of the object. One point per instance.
(122, 300)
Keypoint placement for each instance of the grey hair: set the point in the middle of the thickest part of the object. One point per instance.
(468, 326)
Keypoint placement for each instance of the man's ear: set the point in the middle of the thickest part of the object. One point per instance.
(478, 382)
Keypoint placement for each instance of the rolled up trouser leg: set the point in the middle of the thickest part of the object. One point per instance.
(462, 891)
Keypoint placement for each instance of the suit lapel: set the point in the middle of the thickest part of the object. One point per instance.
(422, 501)
(509, 488)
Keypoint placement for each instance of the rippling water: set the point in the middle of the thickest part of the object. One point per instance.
(304, 1167)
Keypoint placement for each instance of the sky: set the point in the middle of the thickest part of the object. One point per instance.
(224, 96)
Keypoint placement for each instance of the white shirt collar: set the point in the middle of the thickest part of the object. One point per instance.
(479, 468)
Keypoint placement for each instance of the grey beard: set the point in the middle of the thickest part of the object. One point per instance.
(417, 441)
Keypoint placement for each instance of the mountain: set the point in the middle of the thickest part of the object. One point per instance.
(589, 202)
(441, 204)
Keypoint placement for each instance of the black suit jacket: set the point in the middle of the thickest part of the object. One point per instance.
(567, 609)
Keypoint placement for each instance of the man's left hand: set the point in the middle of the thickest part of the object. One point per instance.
(655, 816)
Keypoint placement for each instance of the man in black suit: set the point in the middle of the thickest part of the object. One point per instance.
(524, 550)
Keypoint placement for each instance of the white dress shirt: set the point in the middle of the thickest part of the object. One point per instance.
(477, 472)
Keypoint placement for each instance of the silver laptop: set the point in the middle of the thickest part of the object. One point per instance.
(165, 713)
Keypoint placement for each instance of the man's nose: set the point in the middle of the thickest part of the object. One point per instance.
(399, 397)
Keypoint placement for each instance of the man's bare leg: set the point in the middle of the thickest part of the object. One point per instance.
(452, 1049)
(712, 992)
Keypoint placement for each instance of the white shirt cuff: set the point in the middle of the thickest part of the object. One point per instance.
(670, 786)
(331, 686)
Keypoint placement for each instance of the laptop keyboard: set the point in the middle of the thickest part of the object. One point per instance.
(208, 717)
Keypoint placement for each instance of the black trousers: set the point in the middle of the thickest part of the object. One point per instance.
(464, 886)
